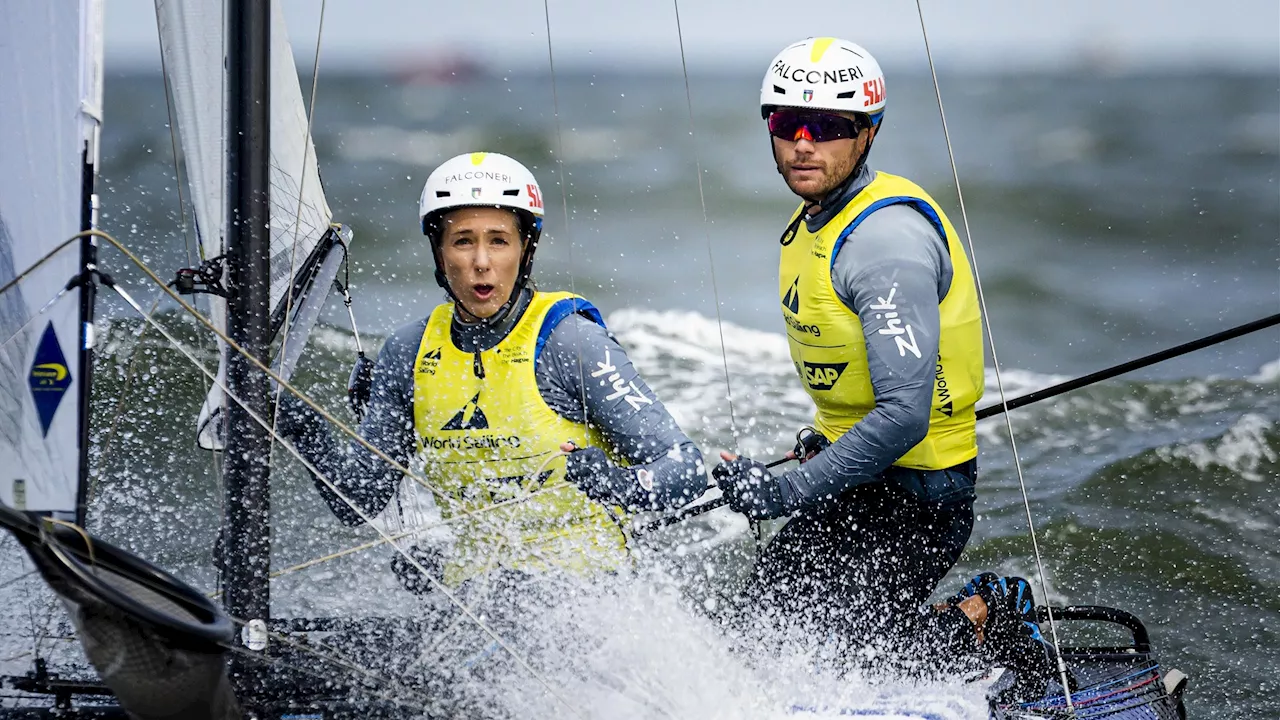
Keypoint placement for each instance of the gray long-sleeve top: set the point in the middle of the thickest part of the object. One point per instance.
(633, 421)
(895, 252)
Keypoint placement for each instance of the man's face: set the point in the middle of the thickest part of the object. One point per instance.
(811, 164)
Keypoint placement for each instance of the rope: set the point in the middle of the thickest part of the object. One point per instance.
(35, 316)
(47, 257)
(702, 198)
(316, 472)
(982, 300)
(393, 537)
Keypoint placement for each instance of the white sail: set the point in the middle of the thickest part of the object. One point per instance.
(51, 85)
(192, 42)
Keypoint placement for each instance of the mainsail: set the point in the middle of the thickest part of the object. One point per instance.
(52, 90)
(302, 235)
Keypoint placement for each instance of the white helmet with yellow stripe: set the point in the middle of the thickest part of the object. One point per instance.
(479, 179)
(483, 179)
(825, 74)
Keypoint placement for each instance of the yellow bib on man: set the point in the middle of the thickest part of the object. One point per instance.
(486, 440)
(829, 349)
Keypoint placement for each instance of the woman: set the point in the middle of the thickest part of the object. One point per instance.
(505, 392)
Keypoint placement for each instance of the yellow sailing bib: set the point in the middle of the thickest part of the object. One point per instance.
(483, 440)
(829, 350)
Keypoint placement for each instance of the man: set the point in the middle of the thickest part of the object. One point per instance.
(488, 390)
(884, 328)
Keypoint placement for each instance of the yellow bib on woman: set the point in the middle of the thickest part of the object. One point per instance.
(485, 440)
(827, 343)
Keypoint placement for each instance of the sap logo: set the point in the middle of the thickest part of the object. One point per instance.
(49, 378)
(791, 298)
(822, 376)
(430, 361)
(470, 417)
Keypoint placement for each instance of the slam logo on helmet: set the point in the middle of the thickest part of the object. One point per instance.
(49, 378)
(823, 376)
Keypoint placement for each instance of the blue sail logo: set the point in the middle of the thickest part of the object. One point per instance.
(49, 377)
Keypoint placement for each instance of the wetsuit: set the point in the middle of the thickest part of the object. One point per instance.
(576, 360)
(881, 515)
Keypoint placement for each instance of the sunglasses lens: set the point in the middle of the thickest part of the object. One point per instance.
(817, 127)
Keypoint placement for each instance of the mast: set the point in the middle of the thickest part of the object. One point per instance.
(88, 296)
(246, 475)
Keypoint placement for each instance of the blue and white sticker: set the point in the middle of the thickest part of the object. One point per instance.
(49, 378)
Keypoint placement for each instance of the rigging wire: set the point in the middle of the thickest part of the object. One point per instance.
(272, 375)
(108, 443)
(564, 202)
(307, 151)
(755, 526)
(186, 242)
(17, 579)
(437, 584)
(1013, 444)
(46, 258)
(706, 232)
(440, 587)
(419, 530)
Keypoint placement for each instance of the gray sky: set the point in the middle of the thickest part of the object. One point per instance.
(726, 33)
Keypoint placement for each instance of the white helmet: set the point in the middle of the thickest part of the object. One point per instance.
(479, 179)
(483, 179)
(826, 74)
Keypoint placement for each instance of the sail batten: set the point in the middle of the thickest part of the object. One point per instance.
(52, 85)
(192, 42)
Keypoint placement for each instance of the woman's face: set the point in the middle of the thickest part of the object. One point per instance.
(480, 249)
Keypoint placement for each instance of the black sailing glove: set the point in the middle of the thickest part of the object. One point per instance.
(590, 469)
(754, 491)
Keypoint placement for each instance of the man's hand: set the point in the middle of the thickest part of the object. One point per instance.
(752, 490)
(602, 481)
